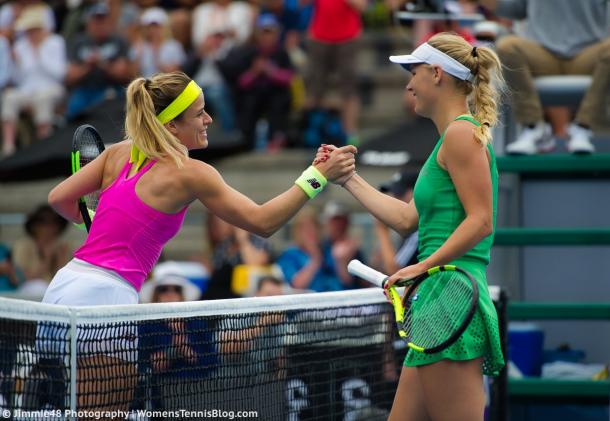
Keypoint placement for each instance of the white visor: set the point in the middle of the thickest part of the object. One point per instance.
(426, 53)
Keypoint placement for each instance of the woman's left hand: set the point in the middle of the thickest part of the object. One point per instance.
(338, 164)
(408, 272)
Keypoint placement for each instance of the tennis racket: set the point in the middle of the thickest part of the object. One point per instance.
(436, 309)
(86, 146)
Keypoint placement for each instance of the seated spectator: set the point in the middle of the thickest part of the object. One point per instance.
(310, 264)
(43, 252)
(98, 62)
(180, 12)
(156, 51)
(579, 45)
(233, 18)
(39, 69)
(264, 74)
(251, 346)
(234, 247)
(11, 11)
(6, 67)
(218, 26)
(179, 353)
(339, 247)
(10, 276)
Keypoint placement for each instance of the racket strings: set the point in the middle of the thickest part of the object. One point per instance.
(438, 309)
(89, 149)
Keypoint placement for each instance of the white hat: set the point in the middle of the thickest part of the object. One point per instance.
(154, 15)
(189, 291)
(426, 53)
(32, 17)
(332, 209)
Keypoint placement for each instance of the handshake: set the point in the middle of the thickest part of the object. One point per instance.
(337, 165)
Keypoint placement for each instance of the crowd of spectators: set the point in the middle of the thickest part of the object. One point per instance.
(60, 59)
(267, 66)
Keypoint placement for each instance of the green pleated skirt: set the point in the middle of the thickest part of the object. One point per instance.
(480, 339)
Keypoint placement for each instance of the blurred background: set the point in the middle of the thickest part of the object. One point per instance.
(281, 77)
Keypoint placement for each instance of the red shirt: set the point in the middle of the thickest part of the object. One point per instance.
(334, 21)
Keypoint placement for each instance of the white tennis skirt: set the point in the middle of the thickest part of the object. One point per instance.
(82, 284)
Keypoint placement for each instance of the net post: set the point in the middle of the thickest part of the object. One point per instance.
(73, 348)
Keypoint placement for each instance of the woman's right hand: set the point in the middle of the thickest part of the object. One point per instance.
(338, 164)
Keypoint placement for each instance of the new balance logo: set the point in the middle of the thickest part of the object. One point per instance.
(314, 183)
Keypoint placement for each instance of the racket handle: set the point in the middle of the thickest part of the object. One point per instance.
(359, 269)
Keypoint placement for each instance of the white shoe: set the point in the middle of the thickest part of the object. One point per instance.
(532, 141)
(580, 140)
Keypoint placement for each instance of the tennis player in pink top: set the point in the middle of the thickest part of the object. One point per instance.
(147, 183)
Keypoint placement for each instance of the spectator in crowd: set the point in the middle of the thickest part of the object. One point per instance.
(265, 73)
(579, 45)
(310, 263)
(234, 247)
(180, 353)
(339, 248)
(10, 12)
(218, 26)
(6, 62)
(10, 276)
(6, 65)
(390, 259)
(180, 19)
(302, 261)
(157, 51)
(98, 62)
(294, 19)
(43, 251)
(251, 346)
(39, 70)
(333, 48)
(204, 67)
(234, 19)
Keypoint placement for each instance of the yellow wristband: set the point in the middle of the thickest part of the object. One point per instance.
(311, 181)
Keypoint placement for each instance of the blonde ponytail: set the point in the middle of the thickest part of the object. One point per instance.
(486, 90)
(145, 99)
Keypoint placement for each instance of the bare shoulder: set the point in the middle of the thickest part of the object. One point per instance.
(459, 139)
(199, 175)
(118, 149)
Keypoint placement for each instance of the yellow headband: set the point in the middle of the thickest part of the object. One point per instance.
(181, 103)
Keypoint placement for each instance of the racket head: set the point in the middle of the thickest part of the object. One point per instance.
(87, 145)
(439, 305)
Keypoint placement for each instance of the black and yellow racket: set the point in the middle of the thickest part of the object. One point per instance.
(435, 310)
(87, 145)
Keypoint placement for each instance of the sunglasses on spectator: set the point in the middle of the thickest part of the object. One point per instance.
(169, 288)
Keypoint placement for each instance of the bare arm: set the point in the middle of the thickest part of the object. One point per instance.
(359, 5)
(467, 163)
(302, 279)
(398, 215)
(249, 253)
(64, 197)
(386, 248)
(237, 209)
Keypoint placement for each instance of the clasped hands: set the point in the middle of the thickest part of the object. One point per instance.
(336, 164)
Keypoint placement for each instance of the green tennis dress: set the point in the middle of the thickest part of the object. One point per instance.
(440, 212)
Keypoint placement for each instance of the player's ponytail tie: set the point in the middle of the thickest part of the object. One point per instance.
(137, 156)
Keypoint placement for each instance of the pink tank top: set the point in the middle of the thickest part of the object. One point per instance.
(127, 235)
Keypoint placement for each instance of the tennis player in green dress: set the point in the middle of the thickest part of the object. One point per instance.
(454, 208)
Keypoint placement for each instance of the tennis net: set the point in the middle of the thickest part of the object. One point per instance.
(328, 356)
